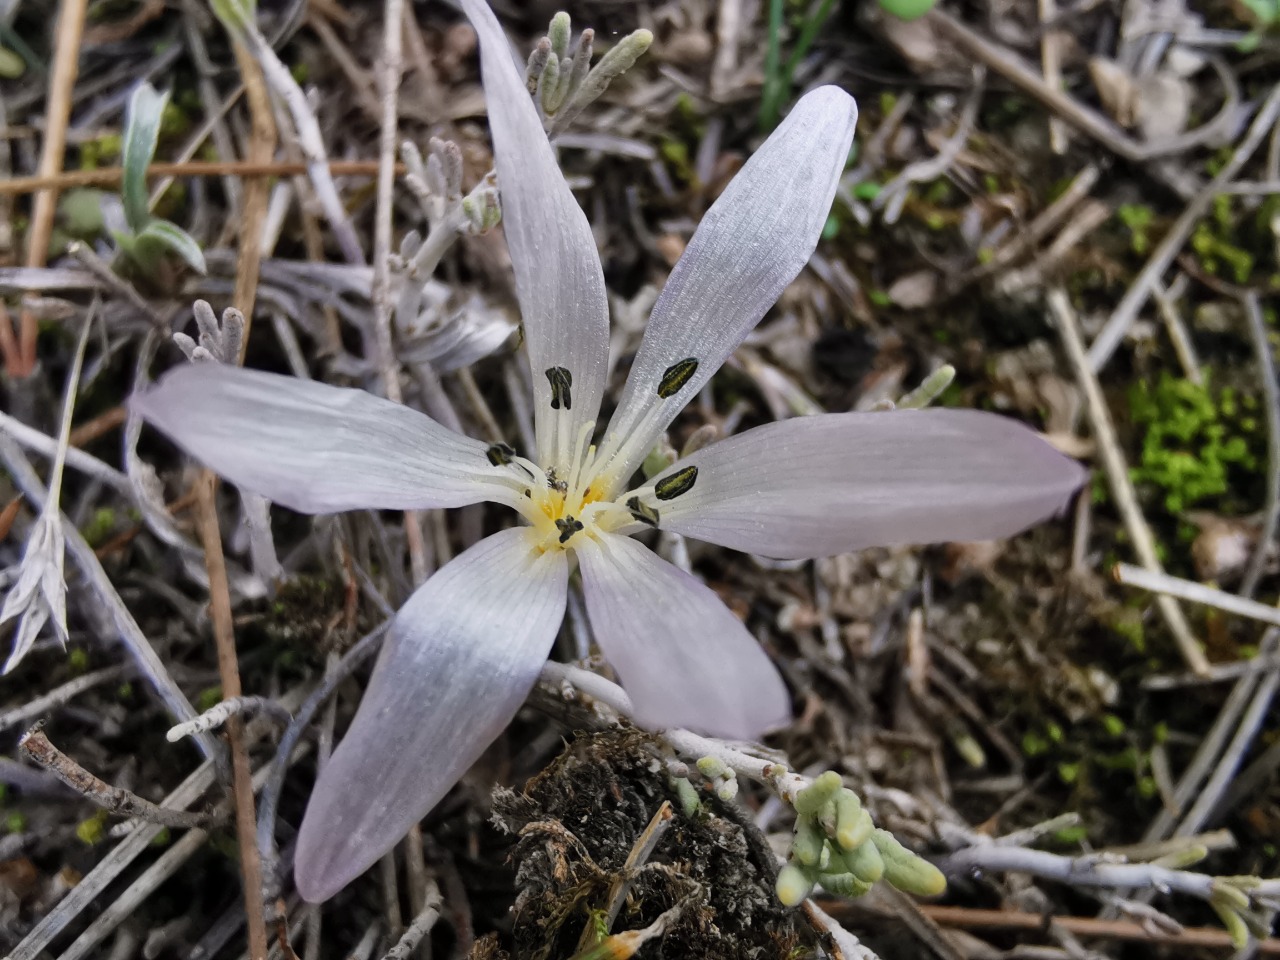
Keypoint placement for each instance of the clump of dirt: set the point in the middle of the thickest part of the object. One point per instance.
(577, 821)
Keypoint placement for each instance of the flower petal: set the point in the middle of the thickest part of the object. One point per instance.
(751, 244)
(314, 447)
(682, 656)
(460, 659)
(558, 276)
(818, 486)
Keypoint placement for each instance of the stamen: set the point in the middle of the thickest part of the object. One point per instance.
(502, 455)
(561, 381)
(568, 526)
(682, 481)
(577, 475)
(676, 376)
(643, 512)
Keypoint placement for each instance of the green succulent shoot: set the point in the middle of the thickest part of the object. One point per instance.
(148, 238)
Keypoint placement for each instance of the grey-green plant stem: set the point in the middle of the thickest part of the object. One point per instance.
(130, 634)
(1117, 473)
(269, 798)
(58, 696)
(1126, 311)
(47, 446)
(1086, 871)
(310, 139)
(1216, 786)
(1271, 407)
(54, 497)
(1157, 582)
(1211, 745)
(418, 929)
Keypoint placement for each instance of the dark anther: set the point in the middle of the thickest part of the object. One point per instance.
(561, 381)
(682, 481)
(643, 512)
(555, 483)
(568, 527)
(676, 376)
(500, 454)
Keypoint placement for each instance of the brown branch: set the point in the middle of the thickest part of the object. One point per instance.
(111, 176)
(35, 745)
(66, 66)
(252, 217)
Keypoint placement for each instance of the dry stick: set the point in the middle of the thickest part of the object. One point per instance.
(1176, 329)
(1051, 66)
(109, 867)
(389, 75)
(1271, 405)
(146, 883)
(47, 446)
(1047, 220)
(388, 92)
(366, 647)
(1163, 583)
(1117, 472)
(1216, 786)
(229, 672)
(976, 919)
(1126, 311)
(310, 139)
(59, 696)
(66, 65)
(36, 746)
(1014, 69)
(112, 176)
(421, 925)
(131, 636)
(1211, 745)
(261, 146)
(1217, 673)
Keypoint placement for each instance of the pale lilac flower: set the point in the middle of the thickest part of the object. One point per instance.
(466, 648)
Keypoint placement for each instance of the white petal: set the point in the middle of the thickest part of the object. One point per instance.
(462, 655)
(751, 244)
(817, 486)
(558, 276)
(682, 656)
(314, 447)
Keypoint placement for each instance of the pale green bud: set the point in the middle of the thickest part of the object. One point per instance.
(930, 390)
(864, 862)
(712, 768)
(843, 884)
(808, 841)
(853, 824)
(558, 34)
(906, 871)
(812, 798)
(793, 885)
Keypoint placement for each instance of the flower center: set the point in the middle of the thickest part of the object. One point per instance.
(562, 508)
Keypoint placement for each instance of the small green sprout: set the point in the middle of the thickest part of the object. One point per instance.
(148, 238)
(837, 845)
(907, 9)
(563, 80)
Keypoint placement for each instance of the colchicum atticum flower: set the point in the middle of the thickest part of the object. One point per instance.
(467, 647)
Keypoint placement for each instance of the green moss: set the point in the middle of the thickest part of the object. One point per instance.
(15, 822)
(209, 698)
(92, 831)
(1138, 219)
(100, 526)
(1193, 440)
